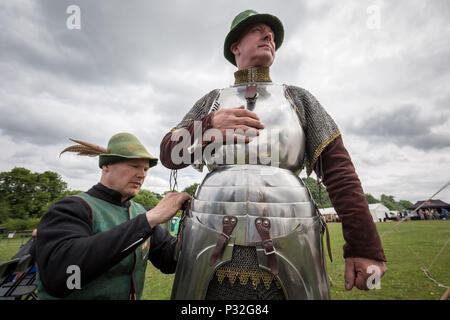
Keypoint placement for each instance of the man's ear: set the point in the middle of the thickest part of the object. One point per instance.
(234, 48)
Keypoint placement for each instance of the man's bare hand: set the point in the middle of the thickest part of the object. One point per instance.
(356, 272)
(167, 208)
(239, 119)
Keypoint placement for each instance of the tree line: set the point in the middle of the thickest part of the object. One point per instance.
(323, 200)
(25, 196)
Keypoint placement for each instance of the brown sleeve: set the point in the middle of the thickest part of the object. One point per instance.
(347, 196)
(167, 144)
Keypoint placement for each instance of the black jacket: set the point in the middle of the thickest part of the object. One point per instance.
(65, 237)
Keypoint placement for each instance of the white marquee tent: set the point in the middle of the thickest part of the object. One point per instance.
(329, 214)
(377, 210)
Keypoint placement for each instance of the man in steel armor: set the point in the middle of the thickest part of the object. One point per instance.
(252, 230)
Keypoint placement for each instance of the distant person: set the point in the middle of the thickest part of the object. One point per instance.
(103, 233)
(421, 214)
(405, 215)
(427, 214)
(444, 214)
(435, 214)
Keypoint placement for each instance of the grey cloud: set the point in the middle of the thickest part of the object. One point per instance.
(126, 41)
(406, 125)
(140, 66)
(30, 128)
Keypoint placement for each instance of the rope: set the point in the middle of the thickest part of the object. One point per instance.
(439, 253)
(173, 175)
(426, 270)
(429, 276)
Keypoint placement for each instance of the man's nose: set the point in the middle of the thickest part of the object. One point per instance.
(141, 173)
(268, 35)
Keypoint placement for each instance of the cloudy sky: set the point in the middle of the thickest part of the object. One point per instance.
(380, 68)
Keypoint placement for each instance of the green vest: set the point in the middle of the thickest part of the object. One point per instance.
(118, 282)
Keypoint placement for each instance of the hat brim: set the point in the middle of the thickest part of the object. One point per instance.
(112, 158)
(273, 22)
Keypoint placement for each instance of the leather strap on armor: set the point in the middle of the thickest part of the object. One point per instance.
(323, 222)
(328, 242)
(250, 92)
(251, 95)
(186, 207)
(229, 222)
(263, 227)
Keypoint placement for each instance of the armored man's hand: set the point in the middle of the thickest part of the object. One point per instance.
(167, 208)
(237, 120)
(363, 273)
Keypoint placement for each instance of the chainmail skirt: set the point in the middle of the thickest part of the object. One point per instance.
(242, 279)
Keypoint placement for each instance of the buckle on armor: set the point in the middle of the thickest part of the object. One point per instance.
(263, 228)
(229, 223)
(226, 236)
(270, 246)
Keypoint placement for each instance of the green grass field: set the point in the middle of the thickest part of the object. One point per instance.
(412, 246)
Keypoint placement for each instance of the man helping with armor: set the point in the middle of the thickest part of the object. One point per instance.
(95, 245)
(253, 231)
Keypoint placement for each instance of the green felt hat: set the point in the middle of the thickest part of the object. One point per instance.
(245, 19)
(125, 146)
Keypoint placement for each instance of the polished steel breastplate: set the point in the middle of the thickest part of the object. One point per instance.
(282, 141)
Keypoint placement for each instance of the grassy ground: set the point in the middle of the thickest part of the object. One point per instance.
(412, 246)
(8, 247)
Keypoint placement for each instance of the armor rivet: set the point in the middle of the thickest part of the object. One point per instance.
(266, 223)
(233, 220)
(225, 219)
(258, 221)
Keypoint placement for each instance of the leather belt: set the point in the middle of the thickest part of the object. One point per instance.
(263, 228)
(228, 222)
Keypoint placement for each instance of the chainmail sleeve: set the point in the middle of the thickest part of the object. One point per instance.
(200, 109)
(320, 129)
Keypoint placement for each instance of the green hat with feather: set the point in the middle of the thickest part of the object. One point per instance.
(121, 146)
